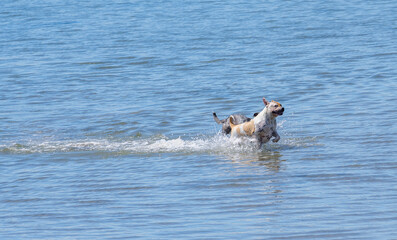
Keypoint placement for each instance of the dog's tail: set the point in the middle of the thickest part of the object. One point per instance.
(217, 119)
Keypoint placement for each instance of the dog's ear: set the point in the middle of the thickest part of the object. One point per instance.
(256, 114)
(265, 101)
(230, 119)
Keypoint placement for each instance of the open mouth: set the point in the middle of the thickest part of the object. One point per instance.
(280, 112)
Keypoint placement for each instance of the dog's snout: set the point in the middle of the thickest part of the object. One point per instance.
(281, 111)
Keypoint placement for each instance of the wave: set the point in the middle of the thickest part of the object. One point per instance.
(217, 144)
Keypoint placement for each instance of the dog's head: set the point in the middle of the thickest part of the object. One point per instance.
(275, 108)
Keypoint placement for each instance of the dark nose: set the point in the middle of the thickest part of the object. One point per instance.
(282, 110)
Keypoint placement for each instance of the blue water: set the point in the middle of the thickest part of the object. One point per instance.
(106, 128)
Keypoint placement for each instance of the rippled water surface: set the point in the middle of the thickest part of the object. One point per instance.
(106, 128)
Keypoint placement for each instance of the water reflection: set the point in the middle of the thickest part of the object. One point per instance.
(272, 160)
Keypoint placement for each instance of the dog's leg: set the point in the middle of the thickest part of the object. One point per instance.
(258, 142)
(276, 136)
(260, 145)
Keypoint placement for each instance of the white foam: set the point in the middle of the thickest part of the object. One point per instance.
(219, 144)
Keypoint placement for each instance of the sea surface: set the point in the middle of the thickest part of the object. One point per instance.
(106, 127)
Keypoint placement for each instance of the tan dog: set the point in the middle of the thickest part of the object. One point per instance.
(238, 119)
(263, 127)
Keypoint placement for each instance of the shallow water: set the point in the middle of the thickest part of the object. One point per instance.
(106, 128)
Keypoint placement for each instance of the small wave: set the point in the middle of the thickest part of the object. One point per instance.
(218, 144)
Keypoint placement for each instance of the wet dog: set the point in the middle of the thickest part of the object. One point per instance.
(238, 119)
(263, 127)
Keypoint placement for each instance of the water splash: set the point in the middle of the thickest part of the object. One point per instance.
(217, 144)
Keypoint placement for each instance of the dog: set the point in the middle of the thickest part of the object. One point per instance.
(238, 119)
(262, 127)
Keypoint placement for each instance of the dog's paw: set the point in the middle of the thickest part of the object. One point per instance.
(276, 139)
